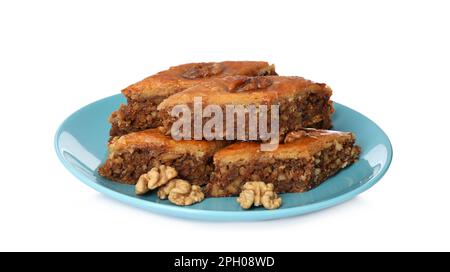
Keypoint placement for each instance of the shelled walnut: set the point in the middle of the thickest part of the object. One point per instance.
(155, 178)
(181, 192)
(258, 193)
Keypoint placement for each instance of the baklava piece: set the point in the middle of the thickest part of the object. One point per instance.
(135, 154)
(143, 97)
(302, 103)
(305, 160)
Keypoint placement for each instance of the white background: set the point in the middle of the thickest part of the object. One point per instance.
(389, 60)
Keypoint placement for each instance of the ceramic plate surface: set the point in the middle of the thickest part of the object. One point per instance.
(80, 144)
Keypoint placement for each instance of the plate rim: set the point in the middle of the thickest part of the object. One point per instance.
(213, 215)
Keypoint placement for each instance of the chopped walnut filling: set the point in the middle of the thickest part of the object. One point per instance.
(258, 193)
(181, 193)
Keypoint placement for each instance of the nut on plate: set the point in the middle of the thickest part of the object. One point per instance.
(181, 192)
(155, 178)
(257, 193)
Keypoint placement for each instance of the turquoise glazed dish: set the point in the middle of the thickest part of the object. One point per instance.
(80, 144)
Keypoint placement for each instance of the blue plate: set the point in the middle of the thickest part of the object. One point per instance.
(81, 140)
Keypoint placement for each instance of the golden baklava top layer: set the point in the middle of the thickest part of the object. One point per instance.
(153, 138)
(181, 77)
(244, 90)
(298, 144)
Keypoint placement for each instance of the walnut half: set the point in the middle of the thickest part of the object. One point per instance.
(181, 192)
(155, 178)
(258, 193)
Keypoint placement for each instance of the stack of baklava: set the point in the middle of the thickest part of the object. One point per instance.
(142, 146)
